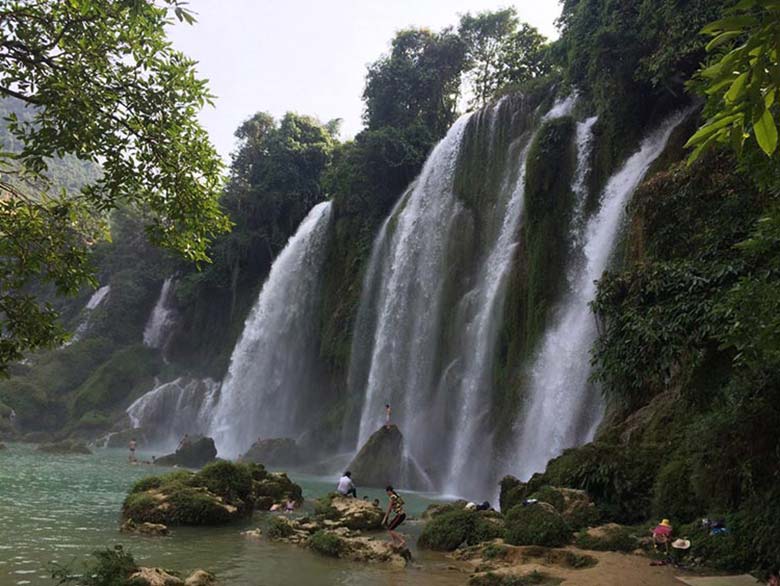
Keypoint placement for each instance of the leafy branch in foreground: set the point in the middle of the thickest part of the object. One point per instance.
(100, 82)
(743, 85)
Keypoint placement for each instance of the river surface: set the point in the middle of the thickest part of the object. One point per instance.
(57, 509)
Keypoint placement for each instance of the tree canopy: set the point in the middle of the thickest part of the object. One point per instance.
(102, 84)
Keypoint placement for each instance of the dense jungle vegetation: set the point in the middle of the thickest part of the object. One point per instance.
(688, 356)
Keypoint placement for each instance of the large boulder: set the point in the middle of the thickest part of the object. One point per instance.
(280, 451)
(381, 462)
(272, 488)
(194, 453)
(351, 513)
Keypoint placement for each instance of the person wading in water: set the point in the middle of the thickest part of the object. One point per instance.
(395, 505)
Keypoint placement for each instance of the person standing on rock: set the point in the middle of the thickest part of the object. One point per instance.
(388, 412)
(346, 487)
(395, 505)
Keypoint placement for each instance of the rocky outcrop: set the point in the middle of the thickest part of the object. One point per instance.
(64, 447)
(350, 513)
(159, 577)
(194, 453)
(381, 462)
(219, 493)
(274, 452)
(150, 529)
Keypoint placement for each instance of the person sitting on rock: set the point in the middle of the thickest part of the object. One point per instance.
(346, 487)
(395, 505)
(662, 535)
(289, 506)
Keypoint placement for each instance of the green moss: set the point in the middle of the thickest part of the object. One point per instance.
(493, 551)
(536, 525)
(150, 482)
(447, 531)
(613, 539)
(549, 495)
(226, 479)
(112, 385)
(277, 528)
(193, 506)
(513, 492)
(673, 493)
(326, 543)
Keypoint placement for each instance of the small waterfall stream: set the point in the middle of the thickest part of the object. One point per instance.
(271, 385)
(97, 298)
(159, 322)
(564, 407)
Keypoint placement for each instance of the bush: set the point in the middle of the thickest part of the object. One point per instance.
(673, 494)
(494, 551)
(229, 480)
(193, 506)
(112, 567)
(326, 544)
(513, 492)
(277, 528)
(611, 539)
(549, 495)
(447, 531)
(536, 525)
(152, 482)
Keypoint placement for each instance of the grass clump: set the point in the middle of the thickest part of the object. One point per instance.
(610, 539)
(326, 544)
(447, 531)
(277, 528)
(112, 567)
(536, 525)
(535, 578)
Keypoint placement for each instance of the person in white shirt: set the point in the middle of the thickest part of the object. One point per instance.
(346, 486)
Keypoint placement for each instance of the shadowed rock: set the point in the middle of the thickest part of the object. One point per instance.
(195, 453)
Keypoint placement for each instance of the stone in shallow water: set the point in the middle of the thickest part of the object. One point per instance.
(152, 529)
(381, 462)
(195, 453)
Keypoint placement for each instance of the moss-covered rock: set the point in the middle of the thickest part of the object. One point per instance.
(221, 492)
(536, 524)
(194, 453)
(574, 505)
(379, 461)
(448, 531)
(327, 544)
(274, 452)
(275, 487)
(513, 492)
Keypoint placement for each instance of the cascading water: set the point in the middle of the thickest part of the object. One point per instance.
(436, 252)
(159, 322)
(270, 387)
(174, 408)
(97, 298)
(564, 408)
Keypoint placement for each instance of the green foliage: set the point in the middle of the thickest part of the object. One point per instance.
(674, 496)
(742, 81)
(327, 544)
(112, 567)
(611, 539)
(513, 492)
(139, 122)
(500, 51)
(153, 482)
(547, 494)
(536, 525)
(277, 528)
(231, 481)
(115, 381)
(494, 551)
(447, 531)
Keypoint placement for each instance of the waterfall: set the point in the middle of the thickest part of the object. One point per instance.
(563, 407)
(94, 302)
(270, 388)
(161, 318)
(433, 298)
(174, 408)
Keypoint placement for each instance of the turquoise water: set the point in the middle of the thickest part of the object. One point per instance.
(57, 509)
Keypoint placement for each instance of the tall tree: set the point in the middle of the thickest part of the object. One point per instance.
(500, 51)
(103, 84)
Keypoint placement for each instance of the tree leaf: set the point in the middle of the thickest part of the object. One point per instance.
(766, 133)
(736, 89)
(722, 38)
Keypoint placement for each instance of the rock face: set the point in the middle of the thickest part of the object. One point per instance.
(150, 529)
(195, 453)
(64, 447)
(381, 462)
(274, 452)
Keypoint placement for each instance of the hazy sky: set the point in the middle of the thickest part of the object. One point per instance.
(309, 56)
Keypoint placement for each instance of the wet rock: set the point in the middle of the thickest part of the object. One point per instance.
(381, 462)
(195, 453)
(151, 529)
(201, 578)
(274, 452)
(64, 447)
(154, 577)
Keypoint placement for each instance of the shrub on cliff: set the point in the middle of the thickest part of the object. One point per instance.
(536, 525)
(447, 531)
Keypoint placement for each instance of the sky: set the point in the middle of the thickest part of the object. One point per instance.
(309, 56)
